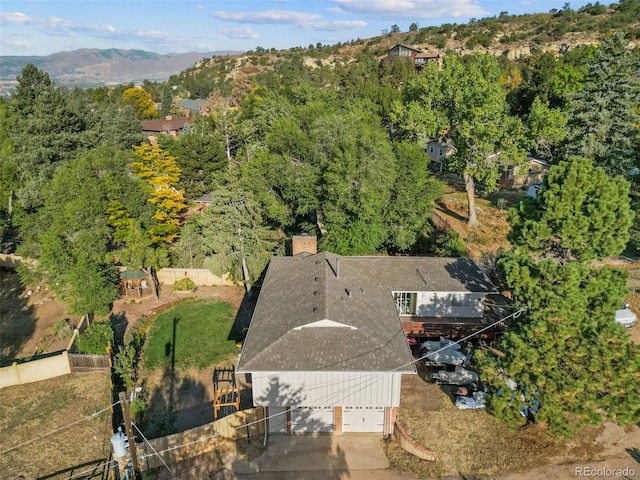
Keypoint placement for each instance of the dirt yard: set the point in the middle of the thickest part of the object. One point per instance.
(471, 443)
(27, 320)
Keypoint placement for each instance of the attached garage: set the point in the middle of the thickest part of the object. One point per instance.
(363, 419)
(311, 419)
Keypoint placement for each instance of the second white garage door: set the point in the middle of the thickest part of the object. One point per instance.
(363, 419)
(311, 419)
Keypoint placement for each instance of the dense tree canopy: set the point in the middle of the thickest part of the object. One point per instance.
(160, 174)
(572, 364)
(604, 116)
(464, 104)
(337, 148)
(569, 358)
(581, 213)
(233, 235)
(141, 102)
(71, 236)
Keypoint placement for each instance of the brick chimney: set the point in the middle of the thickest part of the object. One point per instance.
(304, 243)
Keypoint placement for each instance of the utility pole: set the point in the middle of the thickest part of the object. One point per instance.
(124, 404)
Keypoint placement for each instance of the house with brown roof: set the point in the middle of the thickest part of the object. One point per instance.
(327, 348)
(163, 126)
(418, 57)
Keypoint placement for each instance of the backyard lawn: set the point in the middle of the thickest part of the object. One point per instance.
(192, 334)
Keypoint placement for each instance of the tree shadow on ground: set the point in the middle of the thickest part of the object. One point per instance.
(177, 402)
(100, 468)
(17, 319)
(285, 410)
(119, 323)
(635, 453)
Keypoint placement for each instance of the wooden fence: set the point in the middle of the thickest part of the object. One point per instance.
(89, 363)
(221, 436)
(199, 276)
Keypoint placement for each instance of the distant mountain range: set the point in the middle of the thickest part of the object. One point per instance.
(95, 67)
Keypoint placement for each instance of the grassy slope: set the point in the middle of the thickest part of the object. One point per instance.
(202, 334)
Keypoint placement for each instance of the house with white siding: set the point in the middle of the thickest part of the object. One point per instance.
(327, 348)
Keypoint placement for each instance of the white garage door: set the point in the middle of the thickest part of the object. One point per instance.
(311, 419)
(363, 419)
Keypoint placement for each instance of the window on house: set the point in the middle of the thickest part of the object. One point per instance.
(405, 302)
(430, 149)
(440, 152)
(460, 300)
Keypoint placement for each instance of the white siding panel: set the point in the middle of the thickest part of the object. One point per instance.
(439, 304)
(277, 420)
(324, 389)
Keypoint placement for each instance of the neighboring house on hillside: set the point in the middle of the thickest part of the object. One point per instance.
(438, 152)
(194, 107)
(418, 57)
(326, 348)
(531, 172)
(165, 126)
(205, 200)
(200, 204)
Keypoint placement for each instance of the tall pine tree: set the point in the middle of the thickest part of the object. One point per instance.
(604, 116)
(569, 358)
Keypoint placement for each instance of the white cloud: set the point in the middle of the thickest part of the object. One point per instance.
(8, 42)
(15, 17)
(149, 35)
(338, 25)
(288, 17)
(59, 27)
(56, 26)
(304, 21)
(240, 33)
(413, 9)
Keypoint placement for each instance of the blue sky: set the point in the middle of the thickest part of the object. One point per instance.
(42, 27)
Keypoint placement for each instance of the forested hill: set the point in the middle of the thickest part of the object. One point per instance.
(509, 36)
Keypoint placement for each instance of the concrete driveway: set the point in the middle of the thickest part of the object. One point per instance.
(304, 457)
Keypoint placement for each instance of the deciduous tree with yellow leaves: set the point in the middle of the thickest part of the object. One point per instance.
(159, 174)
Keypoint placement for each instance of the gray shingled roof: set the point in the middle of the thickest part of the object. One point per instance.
(353, 291)
(428, 274)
